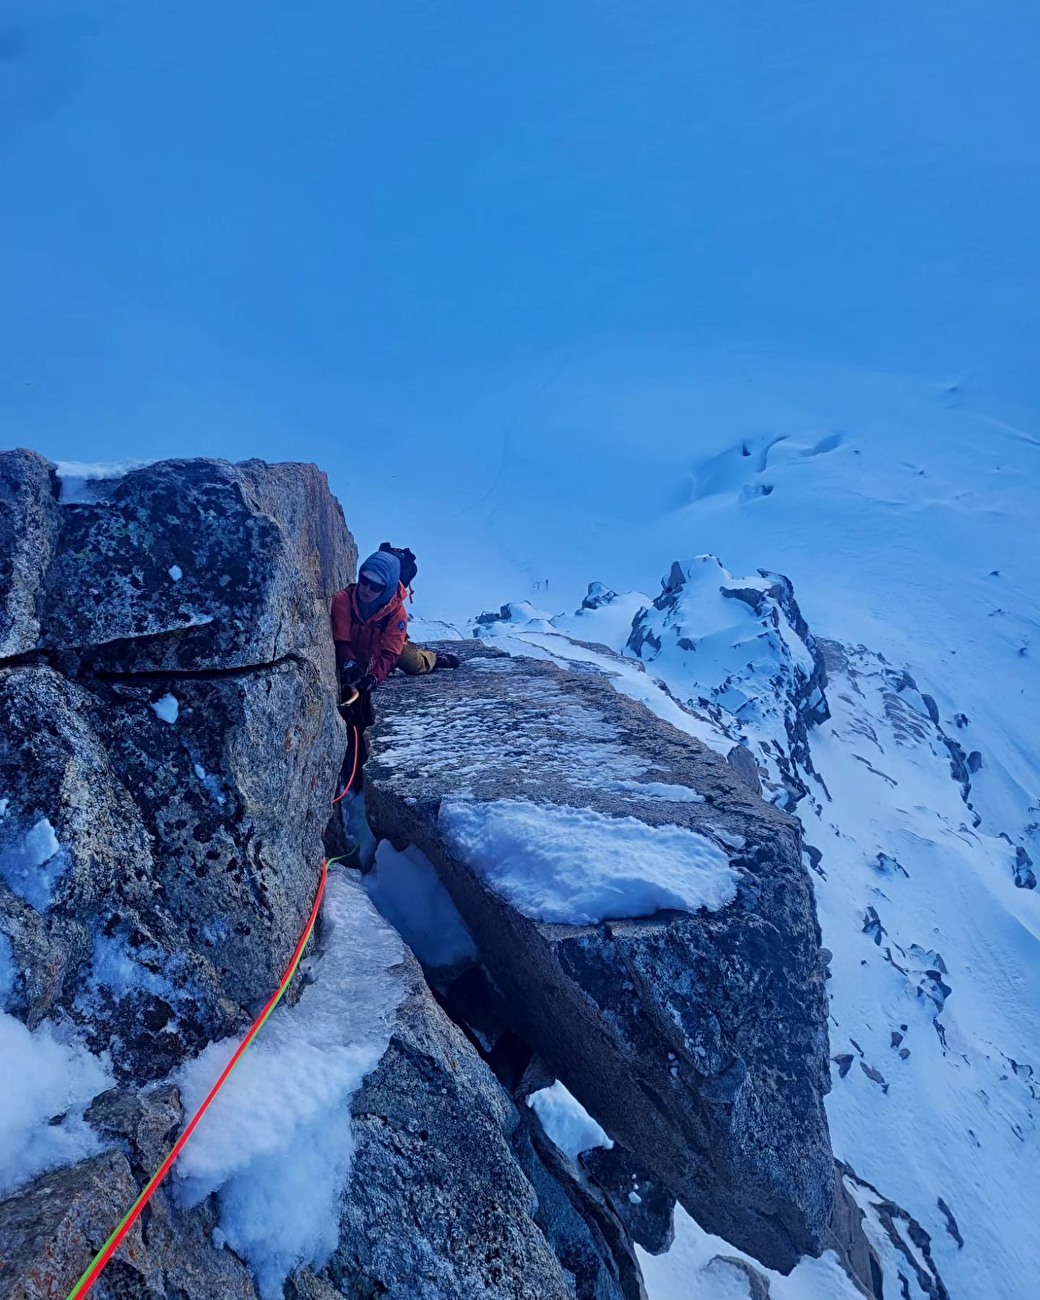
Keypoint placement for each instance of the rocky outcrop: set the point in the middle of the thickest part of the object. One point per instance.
(696, 1037)
(454, 1193)
(169, 696)
(51, 1229)
(29, 525)
(192, 565)
(642, 1203)
(169, 751)
(740, 650)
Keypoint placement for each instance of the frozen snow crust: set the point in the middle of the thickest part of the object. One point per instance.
(673, 1025)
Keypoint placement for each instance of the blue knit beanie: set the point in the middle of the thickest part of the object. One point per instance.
(387, 568)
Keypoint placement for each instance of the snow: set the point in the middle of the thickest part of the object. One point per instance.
(566, 1121)
(81, 481)
(658, 790)
(408, 893)
(277, 1145)
(691, 1267)
(176, 572)
(166, 708)
(32, 864)
(44, 1078)
(577, 866)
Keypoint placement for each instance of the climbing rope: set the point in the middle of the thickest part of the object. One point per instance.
(355, 695)
(97, 1264)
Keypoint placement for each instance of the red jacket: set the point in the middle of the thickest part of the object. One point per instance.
(375, 641)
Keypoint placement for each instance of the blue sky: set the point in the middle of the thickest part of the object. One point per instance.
(353, 233)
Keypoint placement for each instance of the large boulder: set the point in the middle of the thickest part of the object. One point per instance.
(182, 565)
(695, 1034)
(169, 692)
(160, 887)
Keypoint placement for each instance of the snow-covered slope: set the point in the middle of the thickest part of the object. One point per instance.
(913, 560)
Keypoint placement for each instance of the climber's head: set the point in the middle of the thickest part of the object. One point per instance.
(378, 581)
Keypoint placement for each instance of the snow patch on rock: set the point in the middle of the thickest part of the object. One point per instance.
(45, 1085)
(82, 481)
(566, 1121)
(32, 863)
(577, 866)
(277, 1143)
(167, 708)
(408, 893)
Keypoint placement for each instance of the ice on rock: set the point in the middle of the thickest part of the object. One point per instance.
(166, 708)
(577, 866)
(658, 790)
(582, 740)
(32, 864)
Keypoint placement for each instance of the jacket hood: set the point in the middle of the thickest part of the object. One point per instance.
(387, 567)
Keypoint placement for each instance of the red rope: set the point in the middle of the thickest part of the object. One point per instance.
(95, 1268)
(353, 770)
(86, 1282)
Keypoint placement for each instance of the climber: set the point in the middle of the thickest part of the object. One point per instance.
(370, 628)
(414, 660)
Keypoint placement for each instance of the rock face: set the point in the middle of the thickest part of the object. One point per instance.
(170, 746)
(454, 1194)
(155, 728)
(697, 1038)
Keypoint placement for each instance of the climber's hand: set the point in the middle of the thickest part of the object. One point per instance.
(350, 674)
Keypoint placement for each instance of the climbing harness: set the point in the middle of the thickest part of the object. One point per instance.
(94, 1270)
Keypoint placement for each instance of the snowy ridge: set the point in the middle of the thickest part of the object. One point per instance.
(924, 905)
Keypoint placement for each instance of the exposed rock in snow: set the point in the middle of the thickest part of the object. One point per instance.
(673, 1030)
(740, 649)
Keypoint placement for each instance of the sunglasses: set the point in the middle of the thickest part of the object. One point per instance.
(368, 582)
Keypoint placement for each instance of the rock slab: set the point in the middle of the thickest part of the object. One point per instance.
(698, 1039)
